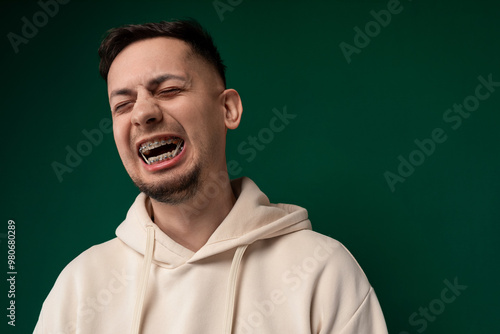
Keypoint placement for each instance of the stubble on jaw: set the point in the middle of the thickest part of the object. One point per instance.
(172, 192)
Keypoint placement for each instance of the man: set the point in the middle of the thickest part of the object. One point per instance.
(198, 253)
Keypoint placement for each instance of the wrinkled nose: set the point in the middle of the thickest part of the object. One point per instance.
(146, 111)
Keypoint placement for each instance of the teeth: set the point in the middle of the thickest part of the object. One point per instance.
(157, 143)
(160, 142)
(162, 157)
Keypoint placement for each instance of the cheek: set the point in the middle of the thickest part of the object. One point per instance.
(121, 139)
(208, 116)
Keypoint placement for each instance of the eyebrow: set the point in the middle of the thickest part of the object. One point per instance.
(165, 77)
(151, 83)
(123, 91)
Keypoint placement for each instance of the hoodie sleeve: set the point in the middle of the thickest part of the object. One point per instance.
(38, 328)
(344, 301)
(58, 314)
(70, 302)
(368, 317)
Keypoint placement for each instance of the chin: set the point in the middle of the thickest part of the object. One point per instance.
(174, 191)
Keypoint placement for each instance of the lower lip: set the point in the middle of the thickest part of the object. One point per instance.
(165, 164)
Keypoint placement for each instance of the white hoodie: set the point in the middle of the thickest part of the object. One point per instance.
(262, 271)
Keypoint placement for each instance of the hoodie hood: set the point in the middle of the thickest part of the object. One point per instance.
(252, 218)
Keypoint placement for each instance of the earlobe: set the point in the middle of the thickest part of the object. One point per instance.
(232, 108)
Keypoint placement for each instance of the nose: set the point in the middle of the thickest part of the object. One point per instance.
(145, 112)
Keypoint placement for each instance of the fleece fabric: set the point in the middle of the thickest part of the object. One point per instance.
(262, 271)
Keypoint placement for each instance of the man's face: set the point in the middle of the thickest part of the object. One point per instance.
(168, 117)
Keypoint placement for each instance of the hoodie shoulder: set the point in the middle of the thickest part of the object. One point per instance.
(81, 278)
(319, 257)
(86, 272)
(343, 300)
(317, 271)
(95, 256)
(321, 247)
(335, 261)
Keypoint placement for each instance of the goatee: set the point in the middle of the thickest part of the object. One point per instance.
(174, 192)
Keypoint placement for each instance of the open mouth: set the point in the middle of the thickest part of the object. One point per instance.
(161, 149)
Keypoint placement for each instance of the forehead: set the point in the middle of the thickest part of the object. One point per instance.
(145, 59)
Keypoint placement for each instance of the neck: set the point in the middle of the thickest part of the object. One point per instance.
(191, 223)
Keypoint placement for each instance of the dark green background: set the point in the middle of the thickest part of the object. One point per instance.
(353, 121)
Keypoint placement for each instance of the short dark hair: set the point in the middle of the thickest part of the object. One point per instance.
(189, 31)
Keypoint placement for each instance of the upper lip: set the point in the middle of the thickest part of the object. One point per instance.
(155, 137)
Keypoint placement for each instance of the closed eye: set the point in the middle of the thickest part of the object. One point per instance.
(121, 106)
(169, 92)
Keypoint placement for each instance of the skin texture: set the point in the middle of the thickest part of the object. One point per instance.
(192, 104)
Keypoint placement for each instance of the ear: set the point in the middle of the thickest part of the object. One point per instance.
(232, 108)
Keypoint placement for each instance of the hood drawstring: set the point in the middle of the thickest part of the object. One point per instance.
(143, 281)
(143, 284)
(231, 288)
